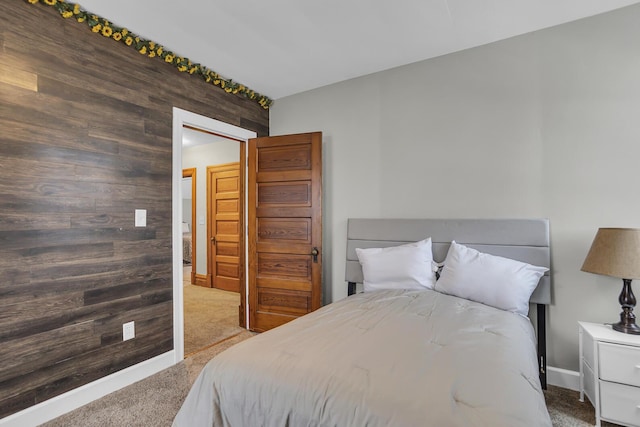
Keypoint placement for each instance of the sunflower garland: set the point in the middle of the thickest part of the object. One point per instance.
(151, 49)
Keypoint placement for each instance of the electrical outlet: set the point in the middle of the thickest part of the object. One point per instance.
(128, 331)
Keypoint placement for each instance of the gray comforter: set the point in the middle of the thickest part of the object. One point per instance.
(386, 358)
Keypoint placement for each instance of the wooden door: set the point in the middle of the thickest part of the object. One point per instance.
(285, 228)
(225, 227)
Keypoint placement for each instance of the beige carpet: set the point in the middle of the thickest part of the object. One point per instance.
(210, 315)
(566, 410)
(155, 400)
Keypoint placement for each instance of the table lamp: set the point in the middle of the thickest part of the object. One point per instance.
(616, 252)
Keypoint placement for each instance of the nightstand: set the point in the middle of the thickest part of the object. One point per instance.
(610, 373)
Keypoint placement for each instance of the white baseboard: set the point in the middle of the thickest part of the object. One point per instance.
(80, 396)
(563, 378)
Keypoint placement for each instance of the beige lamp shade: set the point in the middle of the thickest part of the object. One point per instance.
(615, 252)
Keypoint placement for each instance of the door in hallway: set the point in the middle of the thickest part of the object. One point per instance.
(225, 226)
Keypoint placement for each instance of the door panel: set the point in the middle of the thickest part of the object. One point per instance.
(283, 305)
(225, 223)
(285, 225)
(281, 194)
(284, 230)
(285, 271)
(285, 157)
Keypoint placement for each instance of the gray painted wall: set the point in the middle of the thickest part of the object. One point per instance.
(541, 125)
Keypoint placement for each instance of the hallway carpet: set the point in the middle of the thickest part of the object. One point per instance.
(210, 315)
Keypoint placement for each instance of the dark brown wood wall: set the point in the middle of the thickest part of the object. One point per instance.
(85, 139)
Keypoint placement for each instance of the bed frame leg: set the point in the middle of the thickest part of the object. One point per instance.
(542, 345)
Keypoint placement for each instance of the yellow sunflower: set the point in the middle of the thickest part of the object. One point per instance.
(51, 2)
(76, 9)
(67, 14)
(128, 41)
(143, 50)
(107, 31)
(96, 28)
(117, 36)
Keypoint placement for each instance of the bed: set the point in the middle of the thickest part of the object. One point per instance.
(395, 356)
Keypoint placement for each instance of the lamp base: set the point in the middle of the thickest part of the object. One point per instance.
(627, 323)
(626, 328)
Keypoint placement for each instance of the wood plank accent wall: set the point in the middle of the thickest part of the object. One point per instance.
(85, 139)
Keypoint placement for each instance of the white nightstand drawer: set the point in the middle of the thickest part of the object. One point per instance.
(620, 403)
(619, 363)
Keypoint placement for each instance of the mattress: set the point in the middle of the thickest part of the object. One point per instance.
(401, 358)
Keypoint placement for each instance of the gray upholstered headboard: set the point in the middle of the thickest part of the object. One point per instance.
(525, 240)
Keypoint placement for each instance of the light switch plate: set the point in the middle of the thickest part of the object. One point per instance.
(141, 217)
(128, 331)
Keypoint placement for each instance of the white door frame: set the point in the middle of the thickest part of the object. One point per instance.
(181, 118)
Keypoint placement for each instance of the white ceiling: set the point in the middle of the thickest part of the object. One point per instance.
(283, 47)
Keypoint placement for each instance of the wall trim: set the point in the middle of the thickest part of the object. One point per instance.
(563, 378)
(201, 280)
(180, 119)
(67, 402)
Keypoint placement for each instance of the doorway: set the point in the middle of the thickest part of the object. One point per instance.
(183, 124)
(212, 302)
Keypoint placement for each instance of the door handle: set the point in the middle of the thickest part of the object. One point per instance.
(213, 240)
(314, 254)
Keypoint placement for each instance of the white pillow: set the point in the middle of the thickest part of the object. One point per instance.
(398, 267)
(492, 280)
